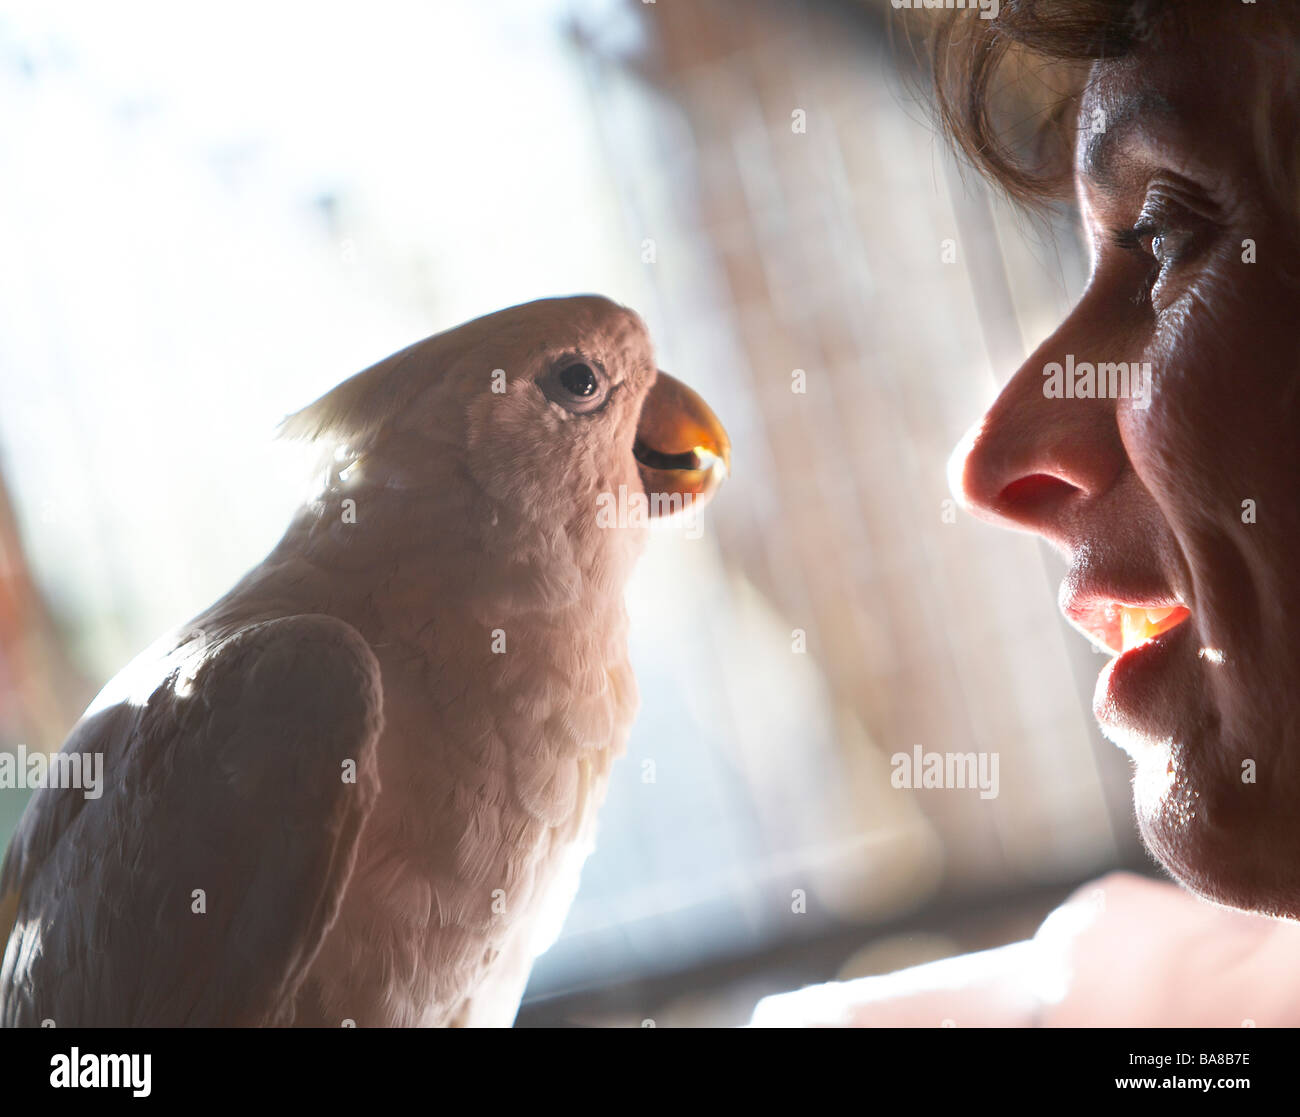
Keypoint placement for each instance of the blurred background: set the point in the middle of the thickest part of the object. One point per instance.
(211, 215)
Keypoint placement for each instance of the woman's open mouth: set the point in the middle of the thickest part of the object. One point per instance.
(1135, 690)
(1138, 625)
(1116, 627)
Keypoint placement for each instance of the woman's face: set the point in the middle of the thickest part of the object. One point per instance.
(1178, 510)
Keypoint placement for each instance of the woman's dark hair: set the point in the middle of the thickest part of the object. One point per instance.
(1005, 87)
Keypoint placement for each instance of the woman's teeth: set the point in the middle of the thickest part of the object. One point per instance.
(1137, 626)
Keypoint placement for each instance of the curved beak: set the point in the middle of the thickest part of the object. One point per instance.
(681, 449)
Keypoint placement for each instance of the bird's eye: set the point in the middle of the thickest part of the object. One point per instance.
(580, 380)
(575, 386)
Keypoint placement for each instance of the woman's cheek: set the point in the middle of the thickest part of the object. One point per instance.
(1178, 434)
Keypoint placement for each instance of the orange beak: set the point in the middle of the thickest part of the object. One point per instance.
(681, 447)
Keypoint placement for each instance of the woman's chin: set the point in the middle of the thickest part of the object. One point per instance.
(1206, 818)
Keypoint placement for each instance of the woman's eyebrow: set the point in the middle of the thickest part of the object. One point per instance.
(1109, 130)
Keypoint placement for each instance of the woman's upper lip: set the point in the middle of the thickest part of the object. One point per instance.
(1106, 616)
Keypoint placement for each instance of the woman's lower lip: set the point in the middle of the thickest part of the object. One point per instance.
(1136, 690)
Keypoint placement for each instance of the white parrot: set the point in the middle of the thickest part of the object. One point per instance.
(360, 787)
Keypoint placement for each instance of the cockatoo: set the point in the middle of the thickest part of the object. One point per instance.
(359, 788)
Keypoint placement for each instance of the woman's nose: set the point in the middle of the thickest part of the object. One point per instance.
(1038, 456)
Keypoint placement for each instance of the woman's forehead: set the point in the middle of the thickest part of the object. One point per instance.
(1182, 107)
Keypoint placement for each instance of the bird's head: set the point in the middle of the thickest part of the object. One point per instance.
(553, 410)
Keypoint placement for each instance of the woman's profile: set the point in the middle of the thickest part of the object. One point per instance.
(1150, 439)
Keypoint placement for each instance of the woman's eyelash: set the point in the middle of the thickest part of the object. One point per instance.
(1132, 238)
(1167, 233)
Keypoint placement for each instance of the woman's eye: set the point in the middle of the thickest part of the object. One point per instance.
(1171, 228)
(1144, 238)
(576, 386)
(1166, 247)
(1160, 246)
